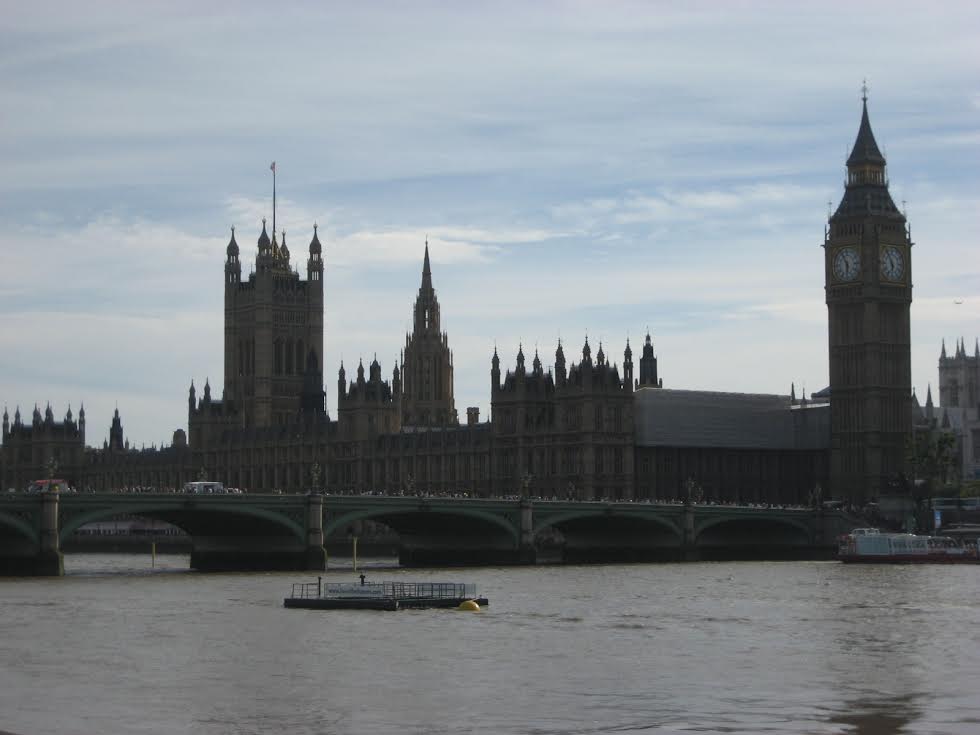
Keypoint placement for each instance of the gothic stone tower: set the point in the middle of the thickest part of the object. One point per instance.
(868, 277)
(273, 331)
(427, 370)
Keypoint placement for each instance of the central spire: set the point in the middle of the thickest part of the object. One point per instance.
(426, 270)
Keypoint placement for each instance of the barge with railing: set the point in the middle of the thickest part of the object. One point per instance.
(383, 595)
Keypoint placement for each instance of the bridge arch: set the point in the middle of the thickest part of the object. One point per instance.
(390, 516)
(183, 516)
(25, 529)
(587, 514)
(806, 532)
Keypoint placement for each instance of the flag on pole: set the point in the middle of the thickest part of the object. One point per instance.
(272, 168)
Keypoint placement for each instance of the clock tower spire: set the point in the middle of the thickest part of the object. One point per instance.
(868, 285)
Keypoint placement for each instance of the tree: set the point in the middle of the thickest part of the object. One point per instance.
(932, 456)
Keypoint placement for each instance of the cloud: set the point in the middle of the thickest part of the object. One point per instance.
(575, 168)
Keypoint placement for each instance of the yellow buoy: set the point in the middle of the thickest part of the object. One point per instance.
(469, 606)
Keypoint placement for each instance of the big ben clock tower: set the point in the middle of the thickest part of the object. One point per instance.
(868, 283)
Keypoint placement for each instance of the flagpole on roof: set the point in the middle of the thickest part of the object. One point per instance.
(273, 168)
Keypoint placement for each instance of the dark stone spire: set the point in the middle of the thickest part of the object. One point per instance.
(232, 245)
(426, 270)
(865, 149)
(315, 242)
(264, 241)
(866, 192)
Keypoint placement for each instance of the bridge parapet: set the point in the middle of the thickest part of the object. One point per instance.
(258, 531)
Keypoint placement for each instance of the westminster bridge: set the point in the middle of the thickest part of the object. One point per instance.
(287, 532)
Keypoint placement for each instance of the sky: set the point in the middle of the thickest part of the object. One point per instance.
(579, 168)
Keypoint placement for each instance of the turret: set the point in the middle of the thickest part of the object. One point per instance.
(586, 353)
(536, 365)
(314, 266)
(6, 423)
(520, 360)
(648, 364)
(560, 373)
(628, 367)
(116, 432)
(600, 356)
(233, 266)
(36, 419)
(191, 399)
(264, 257)
(341, 382)
(81, 423)
(494, 372)
(48, 415)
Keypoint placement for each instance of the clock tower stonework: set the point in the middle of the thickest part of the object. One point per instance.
(868, 284)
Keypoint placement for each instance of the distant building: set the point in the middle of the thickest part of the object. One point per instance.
(959, 400)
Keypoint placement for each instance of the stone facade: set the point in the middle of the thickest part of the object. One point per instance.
(273, 331)
(567, 434)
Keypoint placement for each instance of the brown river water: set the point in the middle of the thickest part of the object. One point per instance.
(749, 647)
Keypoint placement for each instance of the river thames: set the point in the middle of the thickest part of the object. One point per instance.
(789, 647)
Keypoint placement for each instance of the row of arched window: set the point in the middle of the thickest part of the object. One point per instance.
(287, 357)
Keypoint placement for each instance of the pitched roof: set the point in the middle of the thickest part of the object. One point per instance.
(687, 418)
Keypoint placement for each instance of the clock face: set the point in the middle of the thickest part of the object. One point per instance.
(847, 264)
(892, 263)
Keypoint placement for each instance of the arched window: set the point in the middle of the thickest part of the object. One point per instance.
(277, 357)
(300, 363)
(289, 357)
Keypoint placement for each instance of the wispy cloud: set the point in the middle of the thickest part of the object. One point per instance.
(575, 167)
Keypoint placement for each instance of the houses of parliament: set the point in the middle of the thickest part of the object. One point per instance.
(592, 427)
